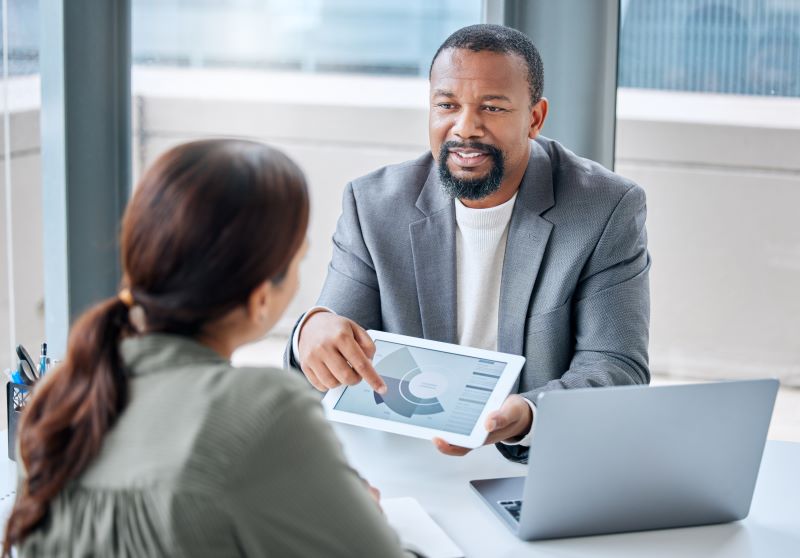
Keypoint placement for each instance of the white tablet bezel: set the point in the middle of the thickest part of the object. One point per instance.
(478, 435)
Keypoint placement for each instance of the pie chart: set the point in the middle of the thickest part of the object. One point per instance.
(411, 389)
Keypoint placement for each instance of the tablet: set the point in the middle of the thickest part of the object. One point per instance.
(434, 390)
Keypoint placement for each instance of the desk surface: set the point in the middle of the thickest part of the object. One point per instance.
(401, 466)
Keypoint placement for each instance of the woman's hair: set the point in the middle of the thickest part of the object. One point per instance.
(209, 222)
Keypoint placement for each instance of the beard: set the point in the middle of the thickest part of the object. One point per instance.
(471, 188)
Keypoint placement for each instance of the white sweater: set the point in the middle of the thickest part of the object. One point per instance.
(481, 236)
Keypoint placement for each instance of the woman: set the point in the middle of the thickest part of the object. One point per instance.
(146, 441)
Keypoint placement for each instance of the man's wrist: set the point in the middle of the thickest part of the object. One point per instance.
(296, 336)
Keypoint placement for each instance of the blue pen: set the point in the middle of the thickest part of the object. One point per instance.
(16, 377)
(43, 360)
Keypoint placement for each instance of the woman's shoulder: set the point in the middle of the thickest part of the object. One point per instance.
(263, 389)
(190, 427)
(245, 407)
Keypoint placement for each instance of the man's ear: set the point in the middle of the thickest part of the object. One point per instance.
(258, 303)
(538, 115)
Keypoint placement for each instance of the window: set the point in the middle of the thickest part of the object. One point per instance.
(749, 47)
(356, 36)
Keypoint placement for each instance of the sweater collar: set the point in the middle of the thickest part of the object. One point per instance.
(490, 218)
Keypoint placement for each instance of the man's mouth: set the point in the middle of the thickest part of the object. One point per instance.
(465, 157)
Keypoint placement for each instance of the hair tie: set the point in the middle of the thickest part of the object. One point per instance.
(126, 297)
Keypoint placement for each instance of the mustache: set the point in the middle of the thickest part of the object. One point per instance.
(485, 147)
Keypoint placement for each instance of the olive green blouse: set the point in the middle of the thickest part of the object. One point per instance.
(212, 460)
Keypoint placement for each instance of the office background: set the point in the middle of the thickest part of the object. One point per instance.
(703, 112)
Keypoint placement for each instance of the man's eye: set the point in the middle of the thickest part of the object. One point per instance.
(446, 106)
(490, 108)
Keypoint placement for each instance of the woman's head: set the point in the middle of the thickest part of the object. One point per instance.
(210, 222)
(210, 243)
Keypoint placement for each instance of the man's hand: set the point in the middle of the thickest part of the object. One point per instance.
(336, 351)
(513, 419)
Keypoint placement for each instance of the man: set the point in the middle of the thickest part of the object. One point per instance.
(498, 238)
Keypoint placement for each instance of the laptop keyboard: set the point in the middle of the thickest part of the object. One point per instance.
(513, 507)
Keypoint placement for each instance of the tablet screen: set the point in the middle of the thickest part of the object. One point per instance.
(434, 389)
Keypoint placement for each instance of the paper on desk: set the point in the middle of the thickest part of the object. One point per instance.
(417, 530)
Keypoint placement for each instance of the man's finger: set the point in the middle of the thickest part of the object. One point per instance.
(450, 449)
(511, 421)
(325, 376)
(513, 410)
(495, 421)
(362, 365)
(364, 340)
(311, 376)
(338, 366)
(502, 434)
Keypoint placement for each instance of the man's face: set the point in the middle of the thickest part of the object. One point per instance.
(480, 121)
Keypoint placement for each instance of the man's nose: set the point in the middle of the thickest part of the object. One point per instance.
(468, 125)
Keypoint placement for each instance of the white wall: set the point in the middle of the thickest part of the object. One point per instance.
(26, 234)
(722, 175)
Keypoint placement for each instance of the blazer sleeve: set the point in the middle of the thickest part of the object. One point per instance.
(295, 494)
(610, 310)
(351, 285)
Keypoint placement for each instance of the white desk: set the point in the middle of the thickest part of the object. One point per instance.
(401, 466)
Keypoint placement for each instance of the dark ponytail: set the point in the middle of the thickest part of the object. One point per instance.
(209, 222)
(64, 423)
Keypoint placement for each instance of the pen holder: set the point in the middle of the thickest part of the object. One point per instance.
(17, 396)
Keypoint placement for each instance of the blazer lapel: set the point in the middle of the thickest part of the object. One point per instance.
(433, 246)
(528, 234)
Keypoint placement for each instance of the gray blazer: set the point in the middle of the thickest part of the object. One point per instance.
(574, 295)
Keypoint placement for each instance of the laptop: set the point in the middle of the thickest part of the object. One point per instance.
(632, 458)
